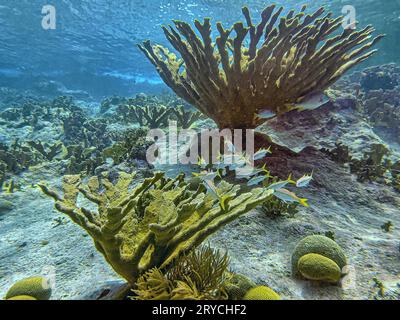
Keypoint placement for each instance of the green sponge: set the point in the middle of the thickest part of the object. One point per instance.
(313, 266)
(261, 293)
(36, 287)
(320, 245)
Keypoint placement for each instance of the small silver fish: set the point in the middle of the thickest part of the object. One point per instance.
(230, 146)
(202, 163)
(256, 180)
(109, 161)
(237, 161)
(266, 114)
(211, 188)
(260, 154)
(313, 101)
(280, 184)
(304, 181)
(245, 172)
(249, 171)
(206, 175)
(289, 197)
(254, 172)
(219, 164)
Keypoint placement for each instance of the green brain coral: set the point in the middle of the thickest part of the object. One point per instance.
(316, 267)
(261, 293)
(237, 285)
(36, 287)
(320, 245)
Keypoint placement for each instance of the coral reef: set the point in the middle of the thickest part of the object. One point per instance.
(110, 103)
(129, 145)
(15, 158)
(375, 165)
(46, 151)
(377, 78)
(33, 113)
(272, 66)
(10, 97)
(82, 160)
(154, 117)
(372, 166)
(89, 132)
(257, 249)
(339, 154)
(68, 138)
(345, 205)
(153, 224)
(382, 109)
(185, 118)
(378, 97)
(155, 111)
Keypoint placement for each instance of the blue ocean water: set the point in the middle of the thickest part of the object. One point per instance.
(94, 44)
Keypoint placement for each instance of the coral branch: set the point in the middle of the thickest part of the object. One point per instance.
(286, 59)
(154, 223)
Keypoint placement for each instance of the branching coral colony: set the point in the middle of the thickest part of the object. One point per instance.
(152, 224)
(266, 66)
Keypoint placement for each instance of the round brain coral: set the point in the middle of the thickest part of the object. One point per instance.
(22, 298)
(261, 293)
(35, 287)
(313, 266)
(321, 245)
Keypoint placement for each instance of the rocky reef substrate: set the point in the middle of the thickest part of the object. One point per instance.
(35, 238)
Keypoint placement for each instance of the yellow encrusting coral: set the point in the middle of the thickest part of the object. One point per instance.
(138, 229)
(283, 63)
(262, 293)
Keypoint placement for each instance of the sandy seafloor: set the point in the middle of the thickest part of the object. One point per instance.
(259, 247)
